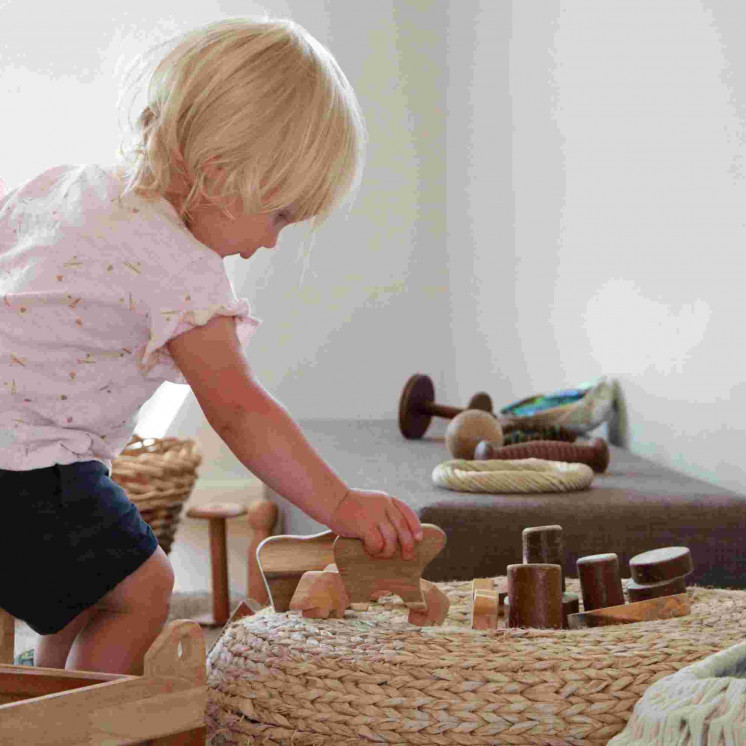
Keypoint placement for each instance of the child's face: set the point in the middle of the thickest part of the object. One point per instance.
(244, 235)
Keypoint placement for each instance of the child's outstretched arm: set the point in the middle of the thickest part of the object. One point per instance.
(265, 438)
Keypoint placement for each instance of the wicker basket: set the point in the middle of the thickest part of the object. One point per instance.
(277, 678)
(158, 475)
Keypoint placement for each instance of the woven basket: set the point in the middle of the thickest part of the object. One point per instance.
(374, 678)
(158, 475)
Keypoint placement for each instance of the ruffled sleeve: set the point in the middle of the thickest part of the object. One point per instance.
(198, 307)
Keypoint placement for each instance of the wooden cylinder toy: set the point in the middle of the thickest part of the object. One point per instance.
(639, 592)
(535, 593)
(544, 545)
(594, 454)
(658, 565)
(600, 582)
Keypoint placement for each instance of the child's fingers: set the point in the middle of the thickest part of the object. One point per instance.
(411, 518)
(403, 533)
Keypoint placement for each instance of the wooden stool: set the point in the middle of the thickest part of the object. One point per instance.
(216, 514)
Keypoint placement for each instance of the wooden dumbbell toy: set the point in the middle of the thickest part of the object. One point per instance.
(600, 582)
(417, 406)
(659, 572)
(595, 454)
(217, 514)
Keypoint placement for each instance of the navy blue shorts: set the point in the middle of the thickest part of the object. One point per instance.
(69, 534)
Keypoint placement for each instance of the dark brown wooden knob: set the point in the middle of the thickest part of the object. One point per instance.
(658, 565)
(544, 545)
(640, 592)
(535, 593)
(417, 406)
(600, 582)
(595, 454)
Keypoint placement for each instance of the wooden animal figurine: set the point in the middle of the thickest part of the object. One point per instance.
(320, 595)
(364, 575)
(373, 597)
(640, 611)
(437, 606)
(283, 560)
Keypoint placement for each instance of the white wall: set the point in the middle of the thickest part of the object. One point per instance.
(554, 191)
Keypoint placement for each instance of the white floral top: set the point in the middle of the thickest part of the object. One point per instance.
(92, 286)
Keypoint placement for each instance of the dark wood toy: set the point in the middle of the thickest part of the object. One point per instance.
(594, 454)
(600, 582)
(545, 545)
(535, 593)
(417, 406)
(658, 565)
(553, 432)
(570, 605)
(640, 592)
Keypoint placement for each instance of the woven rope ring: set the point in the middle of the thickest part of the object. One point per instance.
(277, 678)
(517, 475)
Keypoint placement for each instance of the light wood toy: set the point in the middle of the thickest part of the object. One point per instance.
(364, 575)
(262, 514)
(163, 707)
(485, 609)
(652, 609)
(320, 594)
(437, 606)
(417, 406)
(283, 560)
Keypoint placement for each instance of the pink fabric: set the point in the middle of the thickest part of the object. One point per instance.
(92, 286)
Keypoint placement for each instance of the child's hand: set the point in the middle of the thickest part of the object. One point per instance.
(380, 520)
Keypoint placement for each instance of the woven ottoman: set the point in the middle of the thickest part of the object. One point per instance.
(373, 677)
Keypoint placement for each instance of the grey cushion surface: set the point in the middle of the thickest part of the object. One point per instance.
(633, 507)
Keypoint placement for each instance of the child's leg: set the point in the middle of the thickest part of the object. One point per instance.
(129, 619)
(52, 650)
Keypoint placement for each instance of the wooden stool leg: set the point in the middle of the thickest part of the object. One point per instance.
(219, 559)
(7, 637)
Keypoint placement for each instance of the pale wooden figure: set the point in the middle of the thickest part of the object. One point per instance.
(262, 518)
(320, 595)
(666, 607)
(364, 575)
(485, 609)
(437, 606)
(283, 560)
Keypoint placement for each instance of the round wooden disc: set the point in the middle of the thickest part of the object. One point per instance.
(640, 592)
(216, 510)
(661, 564)
(413, 419)
(481, 401)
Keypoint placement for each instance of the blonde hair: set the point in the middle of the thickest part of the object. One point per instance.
(262, 101)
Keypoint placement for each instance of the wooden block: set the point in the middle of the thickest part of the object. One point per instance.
(320, 595)
(437, 606)
(535, 592)
(283, 560)
(570, 605)
(658, 565)
(667, 607)
(482, 584)
(640, 592)
(544, 545)
(600, 582)
(364, 575)
(485, 609)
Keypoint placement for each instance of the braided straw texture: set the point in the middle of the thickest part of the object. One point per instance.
(374, 678)
(512, 475)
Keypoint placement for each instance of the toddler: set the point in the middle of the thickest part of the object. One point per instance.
(112, 281)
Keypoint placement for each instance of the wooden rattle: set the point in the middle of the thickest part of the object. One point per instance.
(594, 454)
(364, 575)
(417, 406)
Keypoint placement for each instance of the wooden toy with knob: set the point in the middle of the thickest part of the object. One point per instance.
(417, 406)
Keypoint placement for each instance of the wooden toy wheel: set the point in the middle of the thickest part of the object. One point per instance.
(413, 417)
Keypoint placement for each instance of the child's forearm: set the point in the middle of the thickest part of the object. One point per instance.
(267, 441)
